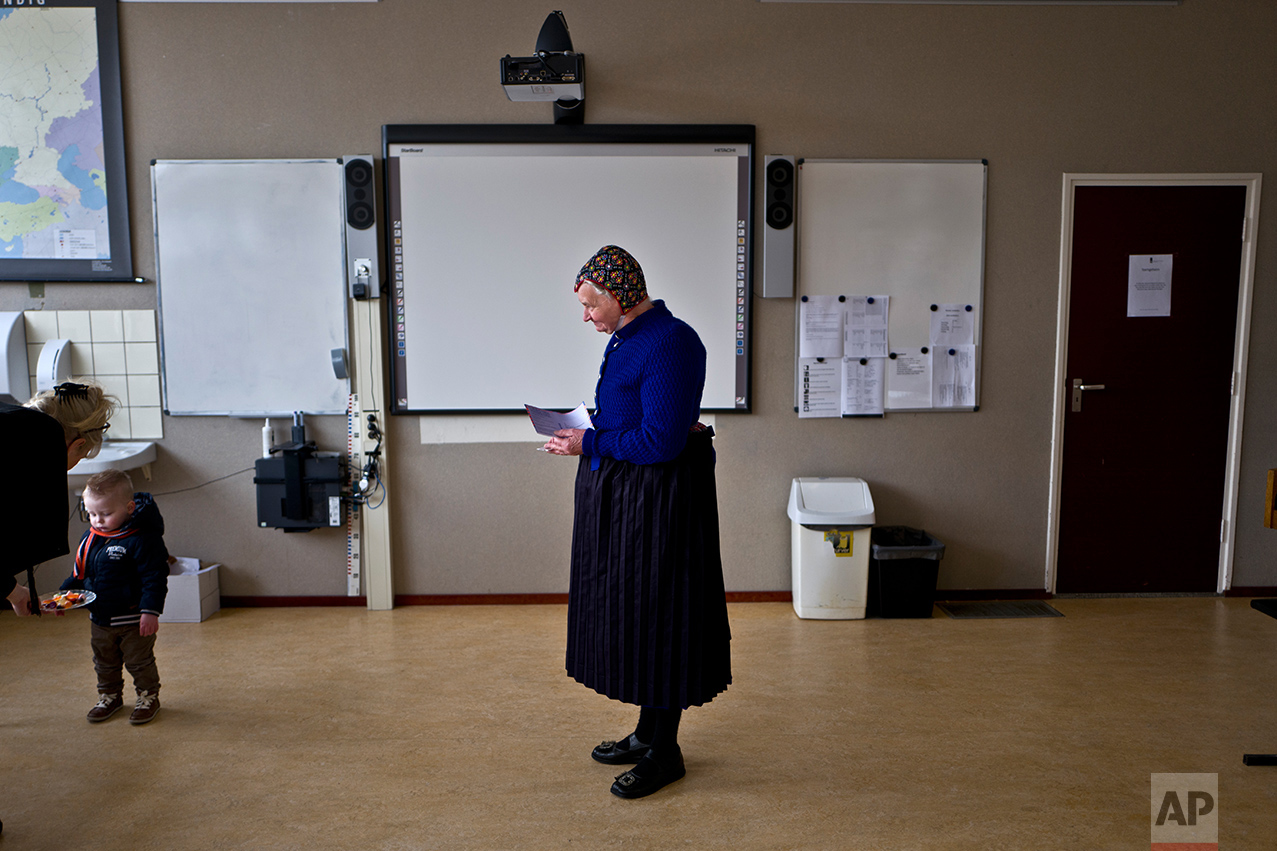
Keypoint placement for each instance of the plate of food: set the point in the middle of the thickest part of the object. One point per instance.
(60, 601)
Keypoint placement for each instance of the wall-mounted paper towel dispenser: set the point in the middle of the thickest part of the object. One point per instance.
(15, 383)
(54, 365)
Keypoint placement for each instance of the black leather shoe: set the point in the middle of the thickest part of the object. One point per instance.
(649, 776)
(624, 752)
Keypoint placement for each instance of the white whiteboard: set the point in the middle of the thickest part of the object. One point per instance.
(488, 236)
(250, 267)
(911, 230)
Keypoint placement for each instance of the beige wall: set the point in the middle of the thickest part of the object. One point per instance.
(1036, 91)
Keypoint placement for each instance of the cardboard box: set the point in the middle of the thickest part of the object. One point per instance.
(192, 597)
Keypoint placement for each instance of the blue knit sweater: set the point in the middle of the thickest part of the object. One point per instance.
(649, 390)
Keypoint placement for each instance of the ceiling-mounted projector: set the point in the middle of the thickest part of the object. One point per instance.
(546, 76)
(556, 73)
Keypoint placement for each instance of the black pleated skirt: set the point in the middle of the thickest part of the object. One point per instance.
(647, 613)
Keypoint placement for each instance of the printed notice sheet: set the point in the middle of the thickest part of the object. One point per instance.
(548, 422)
(953, 377)
(819, 388)
(909, 379)
(865, 335)
(862, 386)
(820, 327)
(953, 325)
(1148, 289)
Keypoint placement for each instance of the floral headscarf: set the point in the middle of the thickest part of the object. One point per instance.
(615, 270)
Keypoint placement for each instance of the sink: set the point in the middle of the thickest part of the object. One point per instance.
(114, 455)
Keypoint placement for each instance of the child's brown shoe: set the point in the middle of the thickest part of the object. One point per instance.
(148, 703)
(108, 705)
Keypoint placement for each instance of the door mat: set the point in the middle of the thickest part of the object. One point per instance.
(1268, 607)
(1001, 609)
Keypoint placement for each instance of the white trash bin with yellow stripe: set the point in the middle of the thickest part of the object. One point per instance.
(832, 519)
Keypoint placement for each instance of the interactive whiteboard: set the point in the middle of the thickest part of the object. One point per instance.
(489, 225)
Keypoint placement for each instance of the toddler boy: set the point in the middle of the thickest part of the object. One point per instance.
(122, 559)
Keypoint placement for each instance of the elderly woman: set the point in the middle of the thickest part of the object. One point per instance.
(55, 430)
(647, 615)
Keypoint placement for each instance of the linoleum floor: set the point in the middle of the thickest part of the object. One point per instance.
(456, 727)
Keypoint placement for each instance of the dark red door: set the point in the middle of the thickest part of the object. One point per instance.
(1144, 460)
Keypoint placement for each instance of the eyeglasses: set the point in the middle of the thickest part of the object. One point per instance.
(102, 429)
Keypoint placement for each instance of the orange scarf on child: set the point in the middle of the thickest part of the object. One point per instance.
(86, 546)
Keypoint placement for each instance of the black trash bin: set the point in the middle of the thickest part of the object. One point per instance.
(903, 565)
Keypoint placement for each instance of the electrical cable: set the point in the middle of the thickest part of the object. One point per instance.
(370, 472)
(379, 487)
(84, 517)
(209, 482)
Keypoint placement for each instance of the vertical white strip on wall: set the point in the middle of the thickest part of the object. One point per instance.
(354, 519)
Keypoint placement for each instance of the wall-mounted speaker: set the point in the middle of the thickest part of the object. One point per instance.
(363, 271)
(779, 232)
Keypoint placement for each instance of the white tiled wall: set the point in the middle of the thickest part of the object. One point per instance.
(115, 348)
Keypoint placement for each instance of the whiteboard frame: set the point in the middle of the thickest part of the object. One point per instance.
(288, 278)
(800, 288)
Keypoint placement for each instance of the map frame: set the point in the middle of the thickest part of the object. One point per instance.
(118, 265)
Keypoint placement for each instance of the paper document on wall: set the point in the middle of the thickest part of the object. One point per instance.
(548, 422)
(1148, 285)
(862, 386)
(865, 334)
(953, 325)
(953, 377)
(820, 327)
(819, 388)
(909, 378)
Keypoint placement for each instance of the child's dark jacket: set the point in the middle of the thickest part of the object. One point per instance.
(128, 568)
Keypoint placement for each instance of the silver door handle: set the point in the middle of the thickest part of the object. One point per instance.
(1078, 387)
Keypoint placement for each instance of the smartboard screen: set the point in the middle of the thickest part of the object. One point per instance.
(489, 225)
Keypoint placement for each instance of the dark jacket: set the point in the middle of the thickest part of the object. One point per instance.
(38, 470)
(127, 569)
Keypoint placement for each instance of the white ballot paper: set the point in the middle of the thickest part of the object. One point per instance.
(820, 327)
(1148, 285)
(865, 334)
(548, 422)
(953, 325)
(953, 377)
(862, 386)
(819, 388)
(909, 379)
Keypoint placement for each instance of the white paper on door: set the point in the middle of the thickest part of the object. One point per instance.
(1148, 287)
